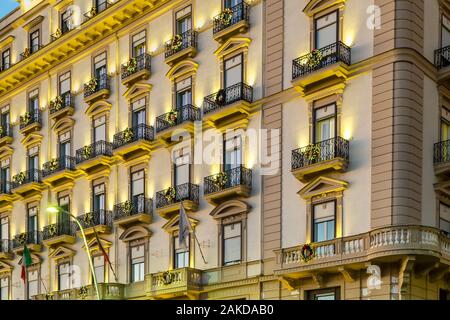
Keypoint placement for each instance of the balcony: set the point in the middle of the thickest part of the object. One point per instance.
(228, 184)
(59, 171)
(441, 158)
(6, 196)
(27, 182)
(180, 47)
(321, 68)
(62, 106)
(6, 252)
(97, 89)
(65, 28)
(442, 62)
(59, 233)
(228, 106)
(29, 51)
(353, 252)
(30, 121)
(134, 143)
(107, 291)
(32, 239)
(231, 21)
(97, 9)
(101, 220)
(94, 157)
(136, 69)
(168, 200)
(180, 119)
(137, 210)
(6, 136)
(328, 155)
(185, 282)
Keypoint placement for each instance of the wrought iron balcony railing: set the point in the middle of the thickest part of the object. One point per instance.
(30, 118)
(231, 16)
(5, 131)
(130, 135)
(173, 118)
(319, 152)
(65, 28)
(237, 92)
(96, 84)
(25, 177)
(180, 42)
(96, 218)
(29, 51)
(442, 57)
(186, 191)
(5, 187)
(441, 152)
(239, 176)
(137, 205)
(31, 237)
(59, 229)
(58, 164)
(5, 245)
(99, 148)
(97, 9)
(321, 58)
(66, 100)
(135, 65)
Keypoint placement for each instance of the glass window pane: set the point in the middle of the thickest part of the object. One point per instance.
(232, 250)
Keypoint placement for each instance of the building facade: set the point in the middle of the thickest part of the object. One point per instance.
(294, 133)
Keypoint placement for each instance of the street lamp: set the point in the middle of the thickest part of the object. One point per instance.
(55, 210)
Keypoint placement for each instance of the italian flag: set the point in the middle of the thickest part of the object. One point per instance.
(26, 262)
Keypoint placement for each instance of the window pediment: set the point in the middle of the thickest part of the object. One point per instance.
(136, 90)
(6, 41)
(33, 23)
(6, 151)
(135, 233)
(172, 224)
(94, 246)
(98, 107)
(315, 6)
(322, 185)
(63, 124)
(5, 268)
(35, 259)
(232, 45)
(230, 208)
(182, 68)
(61, 252)
(32, 139)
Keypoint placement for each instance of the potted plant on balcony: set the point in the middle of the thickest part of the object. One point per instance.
(177, 42)
(128, 207)
(312, 153)
(131, 65)
(128, 135)
(1, 132)
(314, 58)
(170, 194)
(54, 164)
(220, 97)
(88, 219)
(26, 118)
(83, 292)
(52, 230)
(26, 53)
(307, 252)
(172, 117)
(57, 104)
(92, 84)
(226, 16)
(22, 238)
(86, 152)
(220, 180)
(20, 178)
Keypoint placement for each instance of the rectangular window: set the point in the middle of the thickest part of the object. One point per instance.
(324, 294)
(181, 253)
(35, 41)
(99, 197)
(445, 124)
(231, 3)
(324, 221)
(32, 225)
(99, 268)
(33, 283)
(232, 157)
(232, 243)
(33, 161)
(101, 5)
(4, 229)
(4, 288)
(137, 185)
(100, 129)
(6, 59)
(445, 33)
(33, 102)
(139, 44)
(64, 145)
(64, 83)
(5, 177)
(183, 20)
(137, 263)
(100, 69)
(444, 221)
(63, 217)
(324, 123)
(183, 93)
(139, 112)
(326, 30)
(182, 167)
(64, 276)
(66, 21)
(234, 71)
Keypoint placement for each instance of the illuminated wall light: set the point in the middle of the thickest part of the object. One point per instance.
(347, 133)
(349, 38)
(200, 23)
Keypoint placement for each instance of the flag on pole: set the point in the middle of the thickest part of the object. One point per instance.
(185, 228)
(105, 254)
(26, 262)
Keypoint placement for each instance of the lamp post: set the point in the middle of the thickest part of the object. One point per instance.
(55, 209)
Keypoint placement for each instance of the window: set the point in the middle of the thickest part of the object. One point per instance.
(137, 263)
(99, 268)
(445, 35)
(232, 250)
(64, 149)
(234, 71)
(324, 221)
(33, 283)
(324, 294)
(64, 276)
(5, 119)
(35, 41)
(326, 30)
(4, 288)
(232, 157)
(139, 115)
(231, 3)
(183, 93)
(33, 162)
(66, 21)
(99, 197)
(100, 70)
(182, 167)
(139, 44)
(63, 218)
(5, 176)
(183, 20)
(445, 124)
(6, 59)
(444, 220)
(101, 5)
(32, 221)
(138, 189)
(181, 253)
(4, 229)
(324, 123)
(33, 102)
(64, 83)
(100, 129)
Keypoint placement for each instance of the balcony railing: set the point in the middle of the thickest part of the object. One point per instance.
(321, 58)
(99, 148)
(176, 117)
(136, 64)
(66, 100)
(442, 152)
(95, 10)
(237, 92)
(58, 164)
(442, 57)
(130, 135)
(186, 191)
(25, 177)
(30, 118)
(29, 51)
(5, 245)
(180, 42)
(32, 237)
(59, 229)
(96, 218)
(5, 187)
(96, 84)
(5, 131)
(231, 16)
(319, 152)
(65, 28)
(138, 205)
(174, 281)
(238, 176)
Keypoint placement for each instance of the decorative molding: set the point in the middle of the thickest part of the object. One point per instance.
(322, 185)
(232, 45)
(182, 68)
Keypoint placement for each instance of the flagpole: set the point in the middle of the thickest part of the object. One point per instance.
(104, 252)
(199, 248)
(191, 230)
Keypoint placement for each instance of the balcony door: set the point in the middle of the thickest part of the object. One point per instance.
(4, 229)
(445, 32)
(326, 30)
(64, 276)
(4, 179)
(65, 149)
(100, 129)
(183, 21)
(32, 222)
(33, 103)
(63, 217)
(6, 59)
(324, 224)
(325, 123)
(66, 21)
(231, 3)
(100, 70)
(64, 83)
(5, 121)
(181, 167)
(183, 93)
(35, 41)
(139, 44)
(138, 190)
(232, 156)
(234, 71)
(99, 199)
(101, 5)
(139, 115)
